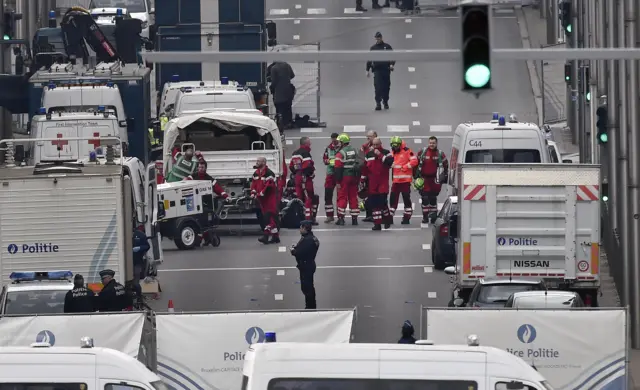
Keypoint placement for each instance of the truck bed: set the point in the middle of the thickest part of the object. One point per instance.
(239, 164)
(530, 220)
(61, 222)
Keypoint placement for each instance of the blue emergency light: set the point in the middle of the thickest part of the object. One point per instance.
(51, 85)
(269, 337)
(175, 78)
(110, 84)
(224, 80)
(33, 276)
(101, 109)
(501, 121)
(52, 14)
(119, 12)
(42, 111)
(496, 116)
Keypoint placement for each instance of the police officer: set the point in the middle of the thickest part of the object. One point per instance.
(381, 74)
(305, 252)
(113, 296)
(80, 299)
(140, 248)
(407, 333)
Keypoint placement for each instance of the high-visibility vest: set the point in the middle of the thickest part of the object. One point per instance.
(403, 164)
(163, 125)
(181, 169)
(331, 153)
(349, 160)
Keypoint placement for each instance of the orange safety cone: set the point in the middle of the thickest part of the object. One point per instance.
(171, 309)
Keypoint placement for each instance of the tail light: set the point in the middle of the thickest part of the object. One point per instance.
(587, 300)
(444, 230)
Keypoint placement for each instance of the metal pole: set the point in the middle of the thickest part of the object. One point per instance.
(573, 95)
(612, 105)
(30, 17)
(21, 24)
(555, 20)
(601, 43)
(594, 67)
(551, 32)
(633, 210)
(580, 31)
(543, 8)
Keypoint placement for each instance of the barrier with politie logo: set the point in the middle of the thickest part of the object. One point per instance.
(573, 349)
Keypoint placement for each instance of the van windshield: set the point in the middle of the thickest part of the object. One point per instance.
(502, 156)
(87, 109)
(35, 302)
(209, 102)
(209, 138)
(131, 5)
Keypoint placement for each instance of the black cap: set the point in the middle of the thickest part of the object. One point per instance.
(107, 272)
(334, 135)
(306, 223)
(78, 277)
(378, 35)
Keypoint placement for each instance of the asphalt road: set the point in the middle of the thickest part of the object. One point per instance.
(386, 275)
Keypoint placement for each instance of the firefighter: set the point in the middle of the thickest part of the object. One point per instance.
(303, 169)
(264, 189)
(431, 173)
(362, 193)
(329, 159)
(379, 161)
(404, 162)
(346, 175)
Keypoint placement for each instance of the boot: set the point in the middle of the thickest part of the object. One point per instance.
(388, 222)
(340, 221)
(354, 221)
(376, 227)
(329, 220)
(368, 218)
(386, 105)
(264, 239)
(405, 221)
(275, 239)
(376, 6)
(425, 219)
(378, 106)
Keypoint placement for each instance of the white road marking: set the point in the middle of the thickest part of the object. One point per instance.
(417, 140)
(316, 11)
(311, 130)
(297, 21)
(407, 20)
(391, 11)
(414, 104)
(416, 123)
(278, 297)
(282, 249)
(424, 225)
(432, 295)
(420, 200)
(296, 37)
(354, 128)
(298, 6)
(381, 137)
(408, 36)
(413, 86)
(440, 129)
(280, 272)
(428, 270)
(352, 11)
(412, 69)
(398, 129)
(293, 268)
(426, 247)
(288, 142)
(279, 11)
(383, 258)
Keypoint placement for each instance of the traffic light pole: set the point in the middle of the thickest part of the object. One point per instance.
(612, 106)
(5, 62)
(572, 93)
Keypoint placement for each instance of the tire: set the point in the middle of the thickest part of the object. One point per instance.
(215, 240)
(188, 235)
(437, 262)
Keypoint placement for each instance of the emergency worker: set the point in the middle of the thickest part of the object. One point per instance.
(113, 296)
(404, 163)
(407, 333)
(201, 174)
(379, 162)
(381, 74)
(303, 170)
(347, 177)
(265, 190)
(80, 299)
(362, 188)
(185, 166)
(430, 161)
(305, 252)
(329, 159)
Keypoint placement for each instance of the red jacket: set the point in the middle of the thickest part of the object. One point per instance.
(217, 188)
(365, 148)
(428, 160)
(263, 187)
(301, 163)
(377, 173)
(282, 181)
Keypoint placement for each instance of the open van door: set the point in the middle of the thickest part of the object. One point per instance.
(151, 210)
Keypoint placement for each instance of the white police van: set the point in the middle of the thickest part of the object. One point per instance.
(33, 293)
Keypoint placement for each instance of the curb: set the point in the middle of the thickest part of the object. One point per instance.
(533, 73)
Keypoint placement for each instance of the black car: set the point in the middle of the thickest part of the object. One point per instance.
(443, 244)
(496, 292)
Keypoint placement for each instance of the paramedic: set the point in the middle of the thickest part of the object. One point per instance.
(113, 296)
(381, 74)
(404, 162)
(303, 170)
(430, 160)
(265, 190)
(379, 161)
(283, 91)
(80, 299)
(185, 165)
(362, 193)
(202, 174)
(140, 248)
(407, 333)
(347, 177)
(305, 252)
(329, 159)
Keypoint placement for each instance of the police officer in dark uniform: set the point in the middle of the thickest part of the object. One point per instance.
(80, 299)
(407, 333)
(113, 296)
(305, 253)
(381, 74)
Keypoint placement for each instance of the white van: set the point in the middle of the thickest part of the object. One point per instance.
(44, 368)
(496, 142)
(104, 11)
(188, 99)
(307, 366)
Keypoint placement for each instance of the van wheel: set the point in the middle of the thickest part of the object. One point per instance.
(188, 235)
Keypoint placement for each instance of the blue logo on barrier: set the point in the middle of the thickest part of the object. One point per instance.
(501, 241)
(527, 333)
(13, 248)
(254, 335)
(46, 336)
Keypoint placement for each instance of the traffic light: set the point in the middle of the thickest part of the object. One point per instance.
(9, 24)
(586, 75)
(567, 73)
(566, 16)
(602, 125)
(604, 191)
(476, 48)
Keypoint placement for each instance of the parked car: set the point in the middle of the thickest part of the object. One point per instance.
(545, 300)
(443, 243)
(492, 293)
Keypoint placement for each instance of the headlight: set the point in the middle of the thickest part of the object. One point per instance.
(145, 25)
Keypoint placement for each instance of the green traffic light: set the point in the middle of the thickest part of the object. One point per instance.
(6, 37)
(605, 198)
(477, 76)
(567, 78)
(604, 138)
(588, 96)
(569, 29)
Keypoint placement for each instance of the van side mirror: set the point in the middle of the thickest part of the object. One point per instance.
(161, 211)
(451, 270)
(453, 226)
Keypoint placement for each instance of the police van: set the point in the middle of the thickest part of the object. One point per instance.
(39, 292)
(497, 141)
(423, 366)
(73, 368)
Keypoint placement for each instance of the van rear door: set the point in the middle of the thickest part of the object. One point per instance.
(58, 150)
(151, 209)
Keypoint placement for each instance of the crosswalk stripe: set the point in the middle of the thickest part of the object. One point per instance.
(279, 11)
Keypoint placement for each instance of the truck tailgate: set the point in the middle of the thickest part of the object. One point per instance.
(538, 220)
(62, 223)
(239, 164)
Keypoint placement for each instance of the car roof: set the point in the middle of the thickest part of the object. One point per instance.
(40, 286)
(548, 293)
(497, 281)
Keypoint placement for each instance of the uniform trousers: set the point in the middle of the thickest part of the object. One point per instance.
(305, 192)
(329, 186)
(306, 285)
(348, 195)
(380, 208)
(403, 189)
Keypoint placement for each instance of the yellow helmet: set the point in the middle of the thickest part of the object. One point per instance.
(344, 138)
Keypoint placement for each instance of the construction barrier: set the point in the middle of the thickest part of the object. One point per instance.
(572, 348)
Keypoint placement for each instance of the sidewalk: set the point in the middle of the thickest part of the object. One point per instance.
(533, 31)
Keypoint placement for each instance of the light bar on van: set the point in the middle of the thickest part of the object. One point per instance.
(224, 80)
(40, 275)
(110, 84)
(119, 12)
(51, 86)
(501, 121)
(42, 111)
(175, 78)
(269, 337)
(496, 116)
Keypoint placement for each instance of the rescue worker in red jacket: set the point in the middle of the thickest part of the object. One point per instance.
(265, 190)
(282, 181)
(364, 149)
(430, 160)
(329, 159)
(347, 175)
(202, 174)
(303, 169)
(404, 162)
(379, 162)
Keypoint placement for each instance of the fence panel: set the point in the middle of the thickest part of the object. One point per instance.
(307, 83)
(553, 87)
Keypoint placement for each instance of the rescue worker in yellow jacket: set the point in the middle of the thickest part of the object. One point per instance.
(404, 162)
(156, 144)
